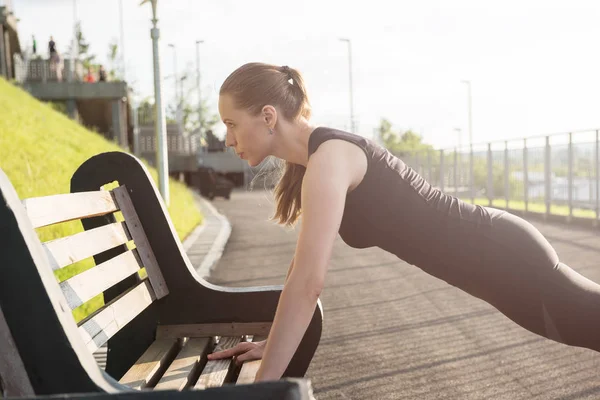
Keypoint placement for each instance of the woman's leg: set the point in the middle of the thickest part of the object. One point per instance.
(533, 288)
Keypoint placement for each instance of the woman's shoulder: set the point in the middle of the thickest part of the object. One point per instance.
(323, 134)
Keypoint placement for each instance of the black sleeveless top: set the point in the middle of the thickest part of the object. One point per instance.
(395, 209)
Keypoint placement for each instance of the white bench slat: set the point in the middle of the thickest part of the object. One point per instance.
(215, 372)
(83, 287)
(250, 368)
(248, 372)
(147, 367)
(101, 326)
(48, 210)
(68, 250)
(179, 374)
(141, 241)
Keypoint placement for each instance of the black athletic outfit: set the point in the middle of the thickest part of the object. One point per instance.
(489, 253)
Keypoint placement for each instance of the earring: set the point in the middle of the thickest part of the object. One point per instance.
(270, 131)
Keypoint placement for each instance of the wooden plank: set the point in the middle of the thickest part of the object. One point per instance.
(216, 372)
(248, 372)
(217, 329)
(250, 368)
(68, 250)
(180, 374)
(149, 367)
(48, 210)
(83, 287)
(141, 241)
(15, 381)
(102, 325)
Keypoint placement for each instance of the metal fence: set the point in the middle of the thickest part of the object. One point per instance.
(43, 70)
(553, 175)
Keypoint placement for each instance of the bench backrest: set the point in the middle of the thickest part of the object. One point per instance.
(135, 253)
(97, 328)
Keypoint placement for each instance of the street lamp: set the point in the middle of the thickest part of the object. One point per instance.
(178, 95)
(160, 123)
(122, 32)
(459, 136)
(74, 48)
(468, 83)
(351, 89)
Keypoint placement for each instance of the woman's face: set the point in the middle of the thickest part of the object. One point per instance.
(247, 134)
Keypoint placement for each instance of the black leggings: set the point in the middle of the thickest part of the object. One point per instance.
(524, 279)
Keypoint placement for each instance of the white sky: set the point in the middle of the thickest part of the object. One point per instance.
(534, 64)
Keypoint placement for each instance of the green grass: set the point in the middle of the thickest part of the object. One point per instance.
(534, 207)
(40, 149)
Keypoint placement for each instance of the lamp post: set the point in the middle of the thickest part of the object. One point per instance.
(178, 95)
(198, 42)
(468, 83)
(160, 123)
(74, 47)
(122, 32)
(459, 136)
(351, 88)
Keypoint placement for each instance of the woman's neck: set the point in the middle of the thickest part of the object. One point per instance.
(291, 142)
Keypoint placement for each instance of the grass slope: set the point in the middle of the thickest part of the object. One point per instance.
(39, 151)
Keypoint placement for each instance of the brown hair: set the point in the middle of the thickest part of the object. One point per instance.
(255, 85)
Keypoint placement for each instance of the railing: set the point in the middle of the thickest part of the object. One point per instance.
(552, 175)
(43, 70)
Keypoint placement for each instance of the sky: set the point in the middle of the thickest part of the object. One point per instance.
(534, 65)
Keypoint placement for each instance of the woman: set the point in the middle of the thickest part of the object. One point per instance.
(343, 182)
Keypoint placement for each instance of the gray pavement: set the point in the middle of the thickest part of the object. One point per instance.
(393, 332)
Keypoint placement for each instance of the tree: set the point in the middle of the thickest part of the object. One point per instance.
(405, 143)
(190, 109)
(113, 52)
(83, 46)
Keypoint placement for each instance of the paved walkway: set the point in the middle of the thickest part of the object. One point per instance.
(393, 332)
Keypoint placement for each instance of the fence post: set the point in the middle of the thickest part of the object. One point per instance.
(490, 180)
(547, 176)
(442, 170)
(429, 174)
(455, 172)
(570, 176)
(597, 160)
(471, 175)
(44, 65)
(506, 175)
(136, 131)
(525, 176)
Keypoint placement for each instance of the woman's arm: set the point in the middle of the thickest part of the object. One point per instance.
(289, 271)
(329, 174)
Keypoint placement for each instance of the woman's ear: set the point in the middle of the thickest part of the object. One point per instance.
(269, 115)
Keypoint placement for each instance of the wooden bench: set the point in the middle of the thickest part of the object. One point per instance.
(158, 326)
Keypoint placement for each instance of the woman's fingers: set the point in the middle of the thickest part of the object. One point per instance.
(240, 348)
(248, 356)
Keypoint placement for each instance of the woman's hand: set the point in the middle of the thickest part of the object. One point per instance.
(245, 351)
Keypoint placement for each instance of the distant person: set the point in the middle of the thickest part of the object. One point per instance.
(52, 47)
(101, 74)
(54, 59)
(34, 45)
(89, 77)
